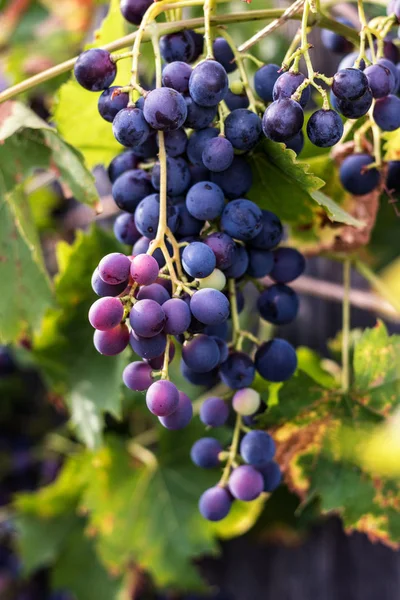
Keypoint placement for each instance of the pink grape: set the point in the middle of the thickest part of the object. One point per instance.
(144, 269)
(245, 483)
(114, 268)
(113, 341)
(137, 376)
(162, 398)
(181, 416)
(106, 313)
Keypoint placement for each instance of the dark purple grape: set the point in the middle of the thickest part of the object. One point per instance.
(335, 42)
(198, 260)
(276, 360)
(198, 43)
(188, 225)
(235, 101)
(95, 70)
(296, 143)
(209, 306)
(199, 173)
(354, 109)
(149, 148)
(178, 176)
(289, 264)
(7, 364)
(224, 55)
(349, 84)
(239, 264)
(287, 84)
(204, 379)
(235, 181)
(105, 289)
(393, 176)
(260, 262)
(271, 232)
(201, 354)
(157, 363)
(222, 347)
(237, 371)
(324, 128)
(218, 154)
(380, 80)
(165, 109)
(148, 213)
(205, 201)
(109, 104)
(387, 113)
(257, 448)
(148, 348)
(114, 268)
(245, 483)
(199, 117)
(355, 176)
(349, 60)
(106, 313)
(181, 416)
(395, 76)
(144, 269)
(125, 229)
(243, 129)
(214, 412)
(264, 81)
(130, 127)
(177, 315)
(155, 291)
(125, 161)
(208, 83)
(111, 342)
(175, 142)
(241, 219)
(215, 503)
(130, 188)
(272, 476)
(197, 142)
(278, 304)
(282, 120)
(147, 318)
(162, 398)
(134, 10)
(137, 376)
(221, 330)
(178, 46)
(205, 451)
(223, 247)
(176, 75)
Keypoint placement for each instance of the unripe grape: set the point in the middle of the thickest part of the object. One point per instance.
(216, 280)
(246, 401)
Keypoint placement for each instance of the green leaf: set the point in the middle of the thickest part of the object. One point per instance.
(76, 113)
(392, 145)
(64, 348)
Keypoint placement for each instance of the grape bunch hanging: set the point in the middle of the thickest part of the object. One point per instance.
(181, 184)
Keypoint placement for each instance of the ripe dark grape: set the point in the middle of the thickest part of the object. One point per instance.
(110, 106)
(335, 42)
(246, 402)
(198, 116)
(354, 109)
(257, 448)
(296, 143)
(147, 318)
(245, 483)
(178, 176)
(155, 291)
(218, 154)
(243, 129)
(177, 316)
(349, 60)
(133, 10)
(144, 269)
(260, 262)
(125, 161)
(106, 313)
(289, 264)
(271, 232)
(129, 127)
(222, 347)
(272, 476)
(278, 304)
(204, 379)
(208, 83)
(130, 188)
(95, 70)
(199, 173)
(239, 264)
(395, 75)
(162, 398)
(287, 84)
(198, 43)
(197, 142)
(237, 371)
(276, 360)
(111, 342)
(215, 503)
(221, 330)
(147, 216)
(125, 229)
(234, 101)
(393, 176)
(188, 225)
(349, 84)
(201, 354)
(114, 268)
(175, 142)
(241, 219)
(387, 113)
(177, 46)
(205, 201)
(205, 451)
(264, 81)
(209, 306)
(235, 181)
(157, 363)
(214, 412)
(176, 75)
(7, 364)
(282, 120)
(137, 376)
(223, 247)
(224, 55)
(181, 416)
(354, 176)
(149, 148)
(380, 80)
(165, 109)
(105, 289)
(324, 128)
(148, 348)
(198, 260)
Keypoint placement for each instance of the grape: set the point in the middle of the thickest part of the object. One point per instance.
(387, 113)
(222, 347)
(209, 306)
(223, 247)
(264, 81)
(205, 451)
(181, 416)
(147, 318)
(354, 109)
(324, 128)
(220, 330)
(95, 70)
(257, 448)
(349, 60)
(287, 84)
(335, 42)
(199, 173)
(177, 46)
(105, 289)
(272, 476)
(288, 265)
(214, 412)
(188, 225)
(215, 504)
(162, 398)
(133, 10)
(282, 120)
(395, 78)
(296, 143)
(175, 142)
(349, 84)
(241, 219)
(205, 201)
(129, 127)
(125, 229)
(237, 371)
(201, 354)
(216, 280)
(355, 179)
(243, 129)
(155, 291)
(141, 247)
(198, 43)
(245, 483)
(149, 148)
(178, 176)
(148, 348)
(278, 304)
(148, 213)
(380, 80)
(7, 364)
(218, 154)
(208, 83)
(234, 101)
(198, 260)
(235, 181)
(106, 313)
(260, 262)
(110, 105)
(125, 161)
(197, 142)
(177, 315)
(157, 363)
(271, 232)
(176, 76)
(246, 402)
(393, 8)
(390, 51)
(130, 188)
(199, 117)
(393, 176)
(112, 341)
(144, 269)
(224, 55)
(240, 263)
(137, 376)
(114, 268)
(276, 360)
(204, 379)
(165, 109)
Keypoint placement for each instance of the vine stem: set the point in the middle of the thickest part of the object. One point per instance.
(209, 10)
(379, 286)
(346, 325)
(232, 452)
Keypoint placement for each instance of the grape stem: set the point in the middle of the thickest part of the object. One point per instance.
(209, 10)
(233, 450)
(164, 371)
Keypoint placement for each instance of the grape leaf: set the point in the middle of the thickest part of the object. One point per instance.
(392, 145)
(64, 348)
